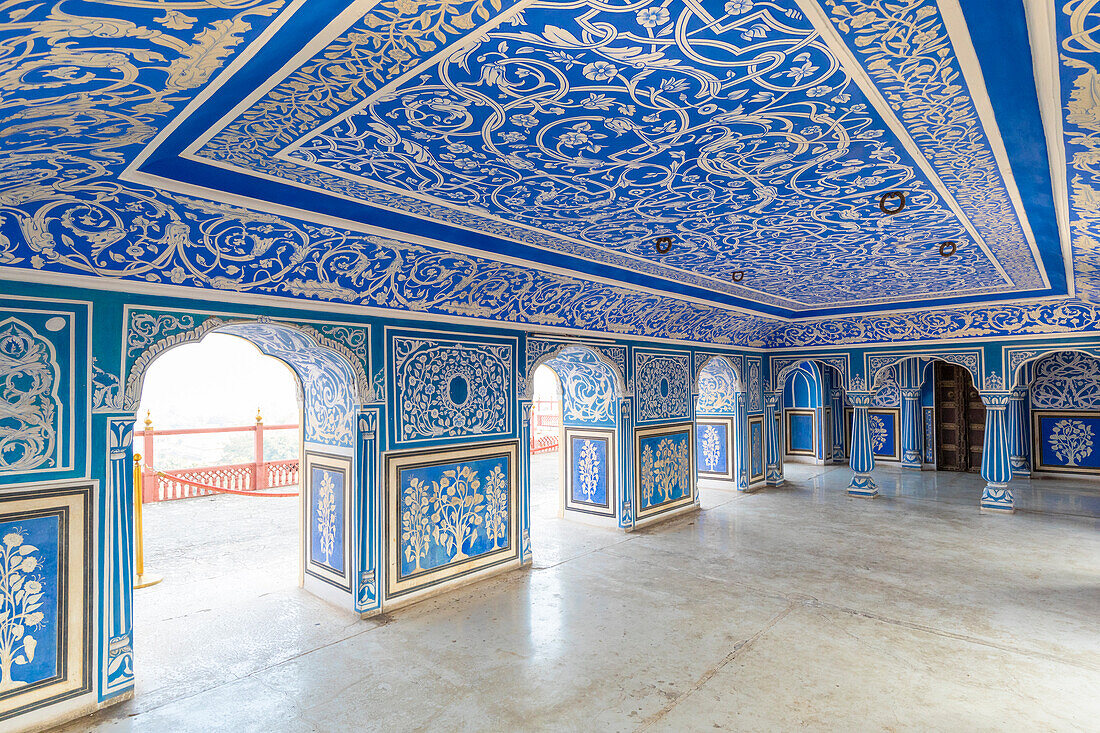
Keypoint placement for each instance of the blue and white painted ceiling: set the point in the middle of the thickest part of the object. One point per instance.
(516, 162)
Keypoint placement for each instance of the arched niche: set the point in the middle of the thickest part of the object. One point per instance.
(1054, 413)
(721, 425)
(802, 401)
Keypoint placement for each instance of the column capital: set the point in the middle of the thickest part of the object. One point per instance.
(910, 394)
(861, 399)
(994, 400)
(1019, 393)
(771, 399)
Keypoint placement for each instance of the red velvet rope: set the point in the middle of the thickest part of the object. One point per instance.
(215, 488)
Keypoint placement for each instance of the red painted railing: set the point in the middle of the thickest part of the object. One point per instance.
(545, 425)
(255, 476)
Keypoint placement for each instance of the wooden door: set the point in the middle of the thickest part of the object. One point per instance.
(960, 427)
(951, 427)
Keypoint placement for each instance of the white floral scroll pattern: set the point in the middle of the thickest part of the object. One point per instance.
(662, 384)
(476, 137)
(29, 402)
(326, 516)
(717, 389)
(878, 432)
(712, 448)
(756, 394)
(906, 50)
(1066, 380)
(424, 372)
(21, 600)
(588, 386)
(67, 212)
(1071, 441)
(589, 470)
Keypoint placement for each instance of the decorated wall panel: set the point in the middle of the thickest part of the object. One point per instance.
(328, 483)
(885, 425)
(756, 449)
(662, 386)
(589, 390)
(449, 513)
(591, 461)
(447, 388)
(45, 597)
(718, 385)
(1067, 441)
(714, 448)
(801, 432)
(1066, 380)
(44, 373)
(663, 459)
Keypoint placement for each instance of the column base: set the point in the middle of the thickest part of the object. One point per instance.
(863, 485)
(775, 482)
(998, 498)
(913, 466)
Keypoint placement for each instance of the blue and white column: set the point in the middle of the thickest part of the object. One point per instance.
(837, 397)
(741, 447)
(773, 472)
(996, 463)
(912, 448)
(1019, 433)
(863, 456)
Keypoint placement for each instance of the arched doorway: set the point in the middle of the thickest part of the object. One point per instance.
(325, 534)
(547, 496)
(223, 559)
(720, 425)
(588, 482)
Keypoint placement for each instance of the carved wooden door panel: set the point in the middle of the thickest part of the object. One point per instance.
(952, 442)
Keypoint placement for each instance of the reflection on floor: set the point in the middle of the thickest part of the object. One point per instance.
(791, 607)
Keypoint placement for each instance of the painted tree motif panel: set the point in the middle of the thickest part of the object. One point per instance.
(756, 449)
(450, 388)
(1068, 441)
(665, 469)
(450, 513)
(45, 597)
(591, 466)
(712, 453)
(328, 500)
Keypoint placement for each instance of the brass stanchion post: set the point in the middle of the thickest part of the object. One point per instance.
(141, 580)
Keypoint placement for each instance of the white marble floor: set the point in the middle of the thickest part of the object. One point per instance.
(795, 607)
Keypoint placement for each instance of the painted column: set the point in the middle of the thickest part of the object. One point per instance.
(837, 397)
(912, 450)
(773, 467)
(863, 456)
(996, 464)
(741, 442)
(626, 464)
(523, 491)
(1019, 433)
(368, 513)
(117, 507)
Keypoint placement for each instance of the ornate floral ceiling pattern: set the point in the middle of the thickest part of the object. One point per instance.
(727, 155)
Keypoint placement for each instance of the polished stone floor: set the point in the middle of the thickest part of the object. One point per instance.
(795, 607)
